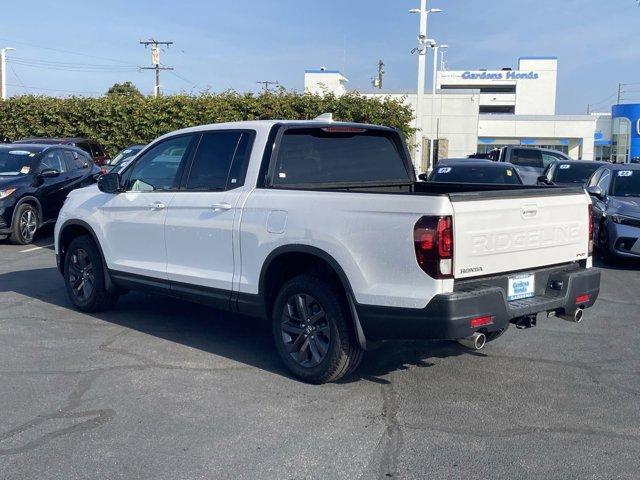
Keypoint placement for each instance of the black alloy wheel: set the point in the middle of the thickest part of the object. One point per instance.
(306, 332)
(81, 275)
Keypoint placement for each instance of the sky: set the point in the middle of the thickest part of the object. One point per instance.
(83, 47)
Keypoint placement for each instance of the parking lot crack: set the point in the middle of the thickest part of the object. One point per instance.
(47, 427)
(385, 458)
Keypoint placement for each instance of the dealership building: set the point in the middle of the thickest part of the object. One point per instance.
(479, 110)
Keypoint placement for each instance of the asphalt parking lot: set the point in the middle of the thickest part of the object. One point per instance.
(160, 389)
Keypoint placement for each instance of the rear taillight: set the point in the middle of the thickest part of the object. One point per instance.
(433, 242)
(590, 229)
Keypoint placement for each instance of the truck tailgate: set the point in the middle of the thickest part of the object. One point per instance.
(512, 231)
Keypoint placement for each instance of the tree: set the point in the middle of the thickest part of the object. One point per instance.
(126, 89)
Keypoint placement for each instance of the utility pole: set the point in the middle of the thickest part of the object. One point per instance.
(3, 67)
(434, 120)
(377, 81)
(155, 61)
(619, 93)
(266, 84)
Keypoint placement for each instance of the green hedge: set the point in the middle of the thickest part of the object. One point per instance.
(116, 120)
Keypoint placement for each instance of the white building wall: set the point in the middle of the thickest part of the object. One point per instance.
(537, 96)
(451, 116)
(321, 82)
(578, 130)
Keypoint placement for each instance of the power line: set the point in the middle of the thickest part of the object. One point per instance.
(37, 61)
(60, 50)
(30, 87)
(155, 60)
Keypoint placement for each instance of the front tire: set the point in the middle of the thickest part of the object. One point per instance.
(25, 225)
(313, 331)
(84, 277)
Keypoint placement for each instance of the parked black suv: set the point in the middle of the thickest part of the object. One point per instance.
(34, 182)
(93, 148)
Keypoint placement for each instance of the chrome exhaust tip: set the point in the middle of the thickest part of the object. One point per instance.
(476, 341)
(575, 318)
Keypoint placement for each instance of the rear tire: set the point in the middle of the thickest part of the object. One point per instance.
(25, 225)
(84, 277)
(313, 330)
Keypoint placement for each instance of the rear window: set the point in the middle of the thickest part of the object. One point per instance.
(475, 174)
(574, 173)
(527, 158)
(327, 156)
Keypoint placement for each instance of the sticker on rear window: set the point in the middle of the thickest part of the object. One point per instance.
(565, 167)
(509, 173)
(444, 170)
(625, 173)
(24, 170)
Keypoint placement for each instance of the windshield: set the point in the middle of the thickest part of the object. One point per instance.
(126, 153)
(489, 174)
(626, 183)
(16, 162)
(574, 173)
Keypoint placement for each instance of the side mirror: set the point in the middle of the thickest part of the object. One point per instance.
(109, 183)
(49, 173)
(424, 177)
(596, 192)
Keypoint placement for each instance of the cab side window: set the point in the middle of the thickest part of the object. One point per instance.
(159, 168)
(74, 160)
(593, 181)
(548, 159)
(220, 161)
(53, 160)
(551, 170)
(523, 157)
(605, 181)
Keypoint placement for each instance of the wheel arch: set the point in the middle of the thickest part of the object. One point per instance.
(72, 229)
(287, 261)
(31, 200)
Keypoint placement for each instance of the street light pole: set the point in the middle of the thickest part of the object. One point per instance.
(434, 127)
(3, 67)
(422, 65)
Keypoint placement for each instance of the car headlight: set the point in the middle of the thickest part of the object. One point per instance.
(622, 220)
(5, 193)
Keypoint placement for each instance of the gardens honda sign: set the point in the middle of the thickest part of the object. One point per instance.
(502, 75)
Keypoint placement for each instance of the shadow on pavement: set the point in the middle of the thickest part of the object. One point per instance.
(236, 337)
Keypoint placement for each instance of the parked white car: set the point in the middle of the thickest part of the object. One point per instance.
(322, 228)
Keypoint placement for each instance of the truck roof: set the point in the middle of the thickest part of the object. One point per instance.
(265, 125)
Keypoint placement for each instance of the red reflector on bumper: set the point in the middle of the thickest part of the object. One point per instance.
(481, 321)
(582, 298)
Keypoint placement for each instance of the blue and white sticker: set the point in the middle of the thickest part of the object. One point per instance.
(444, 170)
(19, 152)
(625, 173)
(565, 167)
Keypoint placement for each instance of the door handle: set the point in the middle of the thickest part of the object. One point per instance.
(216, 207)
(157, 206)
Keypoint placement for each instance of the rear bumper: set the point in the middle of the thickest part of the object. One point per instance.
(448, 316)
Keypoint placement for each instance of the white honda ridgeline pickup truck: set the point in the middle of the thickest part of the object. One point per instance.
(322, 228)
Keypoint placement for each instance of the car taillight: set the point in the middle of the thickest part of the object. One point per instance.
(590, 211)
(433, 242)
